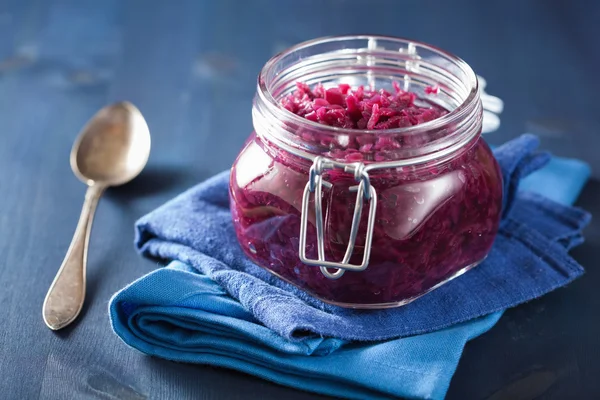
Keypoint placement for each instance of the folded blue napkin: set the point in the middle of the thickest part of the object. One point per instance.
(211, 305)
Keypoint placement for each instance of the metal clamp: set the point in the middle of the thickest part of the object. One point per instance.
(364, 192)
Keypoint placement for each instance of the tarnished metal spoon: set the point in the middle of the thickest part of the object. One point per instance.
(111, 150)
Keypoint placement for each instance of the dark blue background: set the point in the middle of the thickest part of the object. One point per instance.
(190, 66)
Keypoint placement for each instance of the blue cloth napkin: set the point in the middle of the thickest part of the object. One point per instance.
(213, 306)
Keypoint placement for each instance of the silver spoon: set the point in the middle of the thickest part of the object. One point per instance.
(111, 150)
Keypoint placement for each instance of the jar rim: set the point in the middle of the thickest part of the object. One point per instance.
(461, 111)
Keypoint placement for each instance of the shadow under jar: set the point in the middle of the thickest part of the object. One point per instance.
(417, 207)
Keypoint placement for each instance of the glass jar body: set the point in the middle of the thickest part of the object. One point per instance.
(432, 223)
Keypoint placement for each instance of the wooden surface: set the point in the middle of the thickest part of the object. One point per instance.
(191, 66)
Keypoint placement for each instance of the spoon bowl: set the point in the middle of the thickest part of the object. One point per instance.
(111, 150)
(113, 147)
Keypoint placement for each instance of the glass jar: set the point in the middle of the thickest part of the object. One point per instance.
(400, 211)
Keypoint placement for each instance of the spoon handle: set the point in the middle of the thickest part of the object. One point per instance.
(67, 292)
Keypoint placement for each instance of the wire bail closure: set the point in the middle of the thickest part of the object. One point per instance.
(364, 192)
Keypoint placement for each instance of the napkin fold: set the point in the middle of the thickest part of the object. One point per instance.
(212, 305)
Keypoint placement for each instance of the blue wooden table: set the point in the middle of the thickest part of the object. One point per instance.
(190, 66)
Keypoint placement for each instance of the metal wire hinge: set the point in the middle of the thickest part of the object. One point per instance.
(364, 191)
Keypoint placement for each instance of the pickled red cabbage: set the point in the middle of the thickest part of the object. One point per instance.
(361, 108)
(432, 221)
